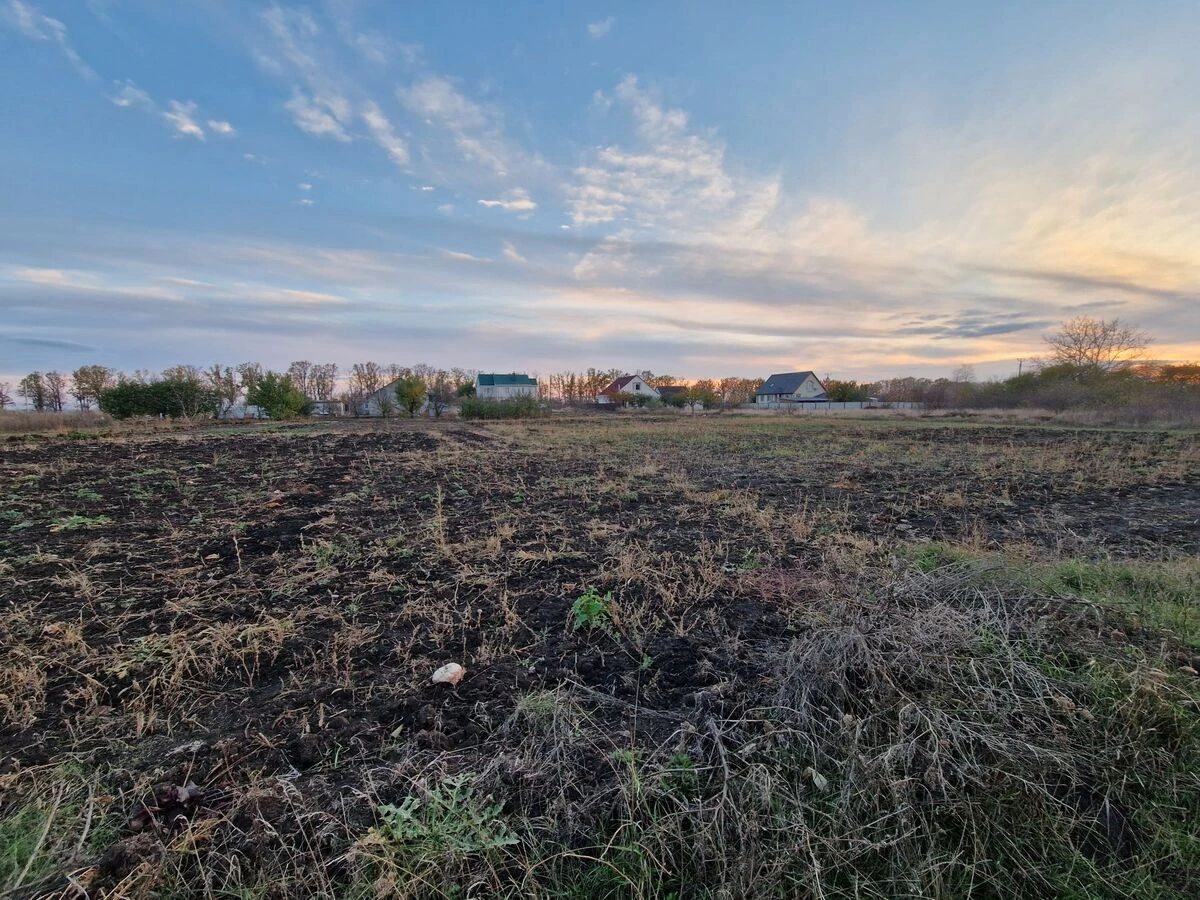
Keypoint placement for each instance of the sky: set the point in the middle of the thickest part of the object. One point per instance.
(693, 188)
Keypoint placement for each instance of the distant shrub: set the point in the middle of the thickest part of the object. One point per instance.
(515, 408)
(172, 397)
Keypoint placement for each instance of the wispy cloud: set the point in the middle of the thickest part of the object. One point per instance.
(323, 115)
(517, 200)
(381, 130)
(224, 129)
(475, 129)
(601, 29)
(130, 95)
(31, 22)
(181, 117)
(512, 254)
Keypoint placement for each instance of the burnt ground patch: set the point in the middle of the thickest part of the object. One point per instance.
(257, 615)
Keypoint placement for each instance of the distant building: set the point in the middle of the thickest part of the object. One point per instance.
(791, 387)
(239, 411)
(495, 386)
(633, 385)
(330, 408)
(382, 402)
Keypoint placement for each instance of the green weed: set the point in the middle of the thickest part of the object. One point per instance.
(591, 610)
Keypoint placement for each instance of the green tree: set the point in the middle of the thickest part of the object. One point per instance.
(410, 394)
(846, 391)
(170, 397)
(33, 388)
(223, 382)
(89, 382)
(278, 395)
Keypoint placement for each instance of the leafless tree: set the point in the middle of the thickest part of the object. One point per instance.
(459, 377)
(301, 372)
(1100, 344)
(440, 390)
(965, 374)
(322, 380)
(5, 395)
(56, 391)
(367, 378)
(89, 382)
(183, 372)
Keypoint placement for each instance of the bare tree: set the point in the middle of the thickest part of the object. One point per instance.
(300, 373)
(183, 372)
(5, 395)
(366, 378)
(89, 382)
(1100, 344)
(56, 391)
(322, 380)
(440, 390)
(965, 374)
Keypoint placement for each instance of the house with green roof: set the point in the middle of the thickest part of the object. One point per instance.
(498, 386)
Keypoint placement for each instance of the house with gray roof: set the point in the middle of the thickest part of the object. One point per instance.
(791, 387)
(497, 386)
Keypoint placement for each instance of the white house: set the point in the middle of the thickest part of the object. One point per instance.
(791, 387)
(633, 385)
(495, 386)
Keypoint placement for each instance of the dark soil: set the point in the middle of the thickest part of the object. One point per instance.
(210, 610)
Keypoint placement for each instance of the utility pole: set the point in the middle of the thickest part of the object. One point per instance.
(1020, 366)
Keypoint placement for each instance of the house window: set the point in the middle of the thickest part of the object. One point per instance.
(637, 387)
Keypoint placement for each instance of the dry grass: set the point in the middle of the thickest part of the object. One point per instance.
(787, 694)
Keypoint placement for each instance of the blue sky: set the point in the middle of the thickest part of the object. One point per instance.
(702, 189)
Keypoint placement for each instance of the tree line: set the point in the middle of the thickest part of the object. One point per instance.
(189, 391)
(1089, 363)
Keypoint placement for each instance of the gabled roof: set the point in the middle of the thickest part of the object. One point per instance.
(614, 386)
(617, 385)
(672, 389)
(494, 379)
(786, 383)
